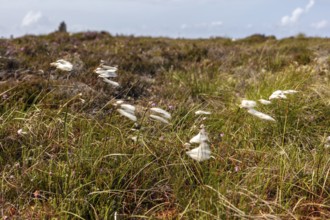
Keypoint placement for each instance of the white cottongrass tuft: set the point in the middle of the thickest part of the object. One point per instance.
(113, 83)
(265, 102)
(248, 104)
(260, 115)
(126, 110)
(162, 112)
(278, 94)
(281, 94)
(200, 153)
(127, 114)
(203, 151)
(163, 116)
(201, 112)
(158, 118)
(200, 137)
(105, 72)
(62, 65)
(290, 91)
(118, 102)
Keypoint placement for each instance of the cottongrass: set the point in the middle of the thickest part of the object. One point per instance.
(105, 72)
(127, 114)
(162, 112)
(202, 112)
(158, 118)
(260, 115)
(281, 94)
(163, 116)
(248, 104)
(203, 151)
(110, 82)
(265, 102)
(200, 153)
(62, 65)
(200, 137)
(126, 110)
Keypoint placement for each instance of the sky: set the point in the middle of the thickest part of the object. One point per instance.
(168, 18)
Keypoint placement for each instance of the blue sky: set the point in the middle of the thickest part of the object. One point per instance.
(169, 18)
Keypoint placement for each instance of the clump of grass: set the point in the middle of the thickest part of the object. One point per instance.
(67, 153)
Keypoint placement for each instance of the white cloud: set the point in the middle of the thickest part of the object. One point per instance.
(286, 20)
(320, 24)
(309, 5)
(296, 14)
(31, 18)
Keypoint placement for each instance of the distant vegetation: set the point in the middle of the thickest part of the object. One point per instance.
(67, 153)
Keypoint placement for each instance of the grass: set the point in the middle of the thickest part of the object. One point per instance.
(77, 159)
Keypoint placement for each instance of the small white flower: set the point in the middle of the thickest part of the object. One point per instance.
(21, 132)
(62, 65)
(260, 115)
(200, 153)
(162, 112)
(201, 112)
(158, 118)
(248, 104)
(200, 137)
(265, 102)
